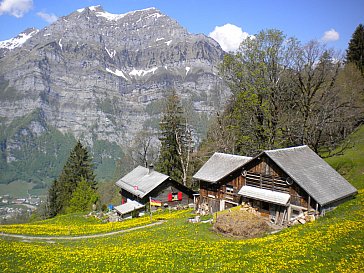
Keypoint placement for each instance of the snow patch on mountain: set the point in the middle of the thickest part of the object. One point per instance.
(187, 69)
(155, 15)
(110, 16)
(111, 53)
(99, 12)
(141, 73)
(117, 72)
(18, 40)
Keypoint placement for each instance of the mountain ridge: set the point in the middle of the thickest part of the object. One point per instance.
(101, 77)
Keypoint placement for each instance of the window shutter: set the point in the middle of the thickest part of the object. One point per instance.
(179, 195)
(170, 197)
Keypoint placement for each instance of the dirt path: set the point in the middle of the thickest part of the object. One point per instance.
(49, 238)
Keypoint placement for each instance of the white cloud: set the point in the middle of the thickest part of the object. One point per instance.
(50, 18)
(16, 8)
(330, 36)
(229, 36)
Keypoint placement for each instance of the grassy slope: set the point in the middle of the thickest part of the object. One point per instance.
(332, 244)
(351, 163)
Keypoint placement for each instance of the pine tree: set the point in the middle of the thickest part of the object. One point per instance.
(78, 166)
(53, 199)
(355, 52)
(176, 141)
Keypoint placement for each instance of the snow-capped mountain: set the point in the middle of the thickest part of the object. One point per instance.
(17, 41)
(102, 77)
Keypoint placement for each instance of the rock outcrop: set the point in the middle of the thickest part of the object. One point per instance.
(98, 76)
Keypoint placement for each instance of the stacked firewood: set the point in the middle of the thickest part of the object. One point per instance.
(248, 208)
(303, 218)
(204, 209)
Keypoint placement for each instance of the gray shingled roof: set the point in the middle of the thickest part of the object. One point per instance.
(275, 197)
(141, 181)
(129, 206)
(312, 173)
(219, 166)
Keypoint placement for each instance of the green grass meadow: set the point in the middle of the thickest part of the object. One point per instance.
(334, 243)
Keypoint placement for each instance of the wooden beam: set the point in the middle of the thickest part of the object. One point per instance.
(277, 214)
(308, 203)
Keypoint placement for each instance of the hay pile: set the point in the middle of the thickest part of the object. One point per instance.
(241, 223)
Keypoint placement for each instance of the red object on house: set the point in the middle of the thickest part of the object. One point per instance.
(170, 197)
(122, 201)
(179, 196)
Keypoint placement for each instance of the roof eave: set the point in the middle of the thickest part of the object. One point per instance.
(340, 198)
(205, 180)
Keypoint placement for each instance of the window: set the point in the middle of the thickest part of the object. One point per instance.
(229, 189)
(174, 196)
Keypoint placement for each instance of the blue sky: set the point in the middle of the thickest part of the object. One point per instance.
(332, 21)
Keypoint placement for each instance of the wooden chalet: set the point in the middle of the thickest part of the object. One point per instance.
(283, 183)
(220, 180)
(143, 183)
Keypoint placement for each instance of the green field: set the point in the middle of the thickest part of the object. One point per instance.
(334, 243)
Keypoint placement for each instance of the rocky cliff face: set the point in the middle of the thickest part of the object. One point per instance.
(98, 76)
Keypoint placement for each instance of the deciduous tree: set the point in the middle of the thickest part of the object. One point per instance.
(322, 109)
(83, 198)
(144, 148)
(257, 76)
(285, 94)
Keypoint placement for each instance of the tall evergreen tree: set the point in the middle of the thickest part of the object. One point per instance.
(355, 52)
(53, 200)
(176, 141)
(78, 166)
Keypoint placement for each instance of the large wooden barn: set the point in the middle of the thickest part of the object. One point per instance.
(143, 183)
(220, 180)
(283, 183)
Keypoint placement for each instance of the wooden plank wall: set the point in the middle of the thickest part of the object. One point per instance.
(265, 174)
(162, 195)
